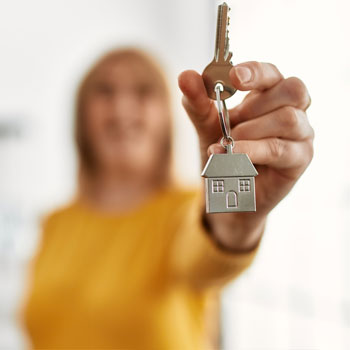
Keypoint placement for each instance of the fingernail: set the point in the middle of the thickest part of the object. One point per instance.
(243, 74)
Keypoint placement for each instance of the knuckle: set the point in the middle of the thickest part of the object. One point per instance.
(312, 134)
(276, 148)
(273, 66)
(256, 66)
(272, 69)
(309, 150)
(290, 117)
(306, 153)
(297, 91)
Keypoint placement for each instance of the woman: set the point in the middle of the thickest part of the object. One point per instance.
(133, 262)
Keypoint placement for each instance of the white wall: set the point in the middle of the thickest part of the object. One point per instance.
(45, 48)
(296, 295)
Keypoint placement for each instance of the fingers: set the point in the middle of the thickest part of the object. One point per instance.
(287, 122)
(270, 123)
(199, 107)
(288, 92)
(255, 76)
(277, 152)
(195, 99)
(274, 152)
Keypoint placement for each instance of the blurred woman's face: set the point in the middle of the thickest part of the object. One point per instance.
(126, 116)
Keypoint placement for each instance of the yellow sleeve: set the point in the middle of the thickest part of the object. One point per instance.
(196, 258)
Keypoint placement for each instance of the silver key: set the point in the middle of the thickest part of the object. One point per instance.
(218, 70)
(229, 177)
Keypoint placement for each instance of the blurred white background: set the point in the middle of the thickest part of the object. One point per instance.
(297, 293)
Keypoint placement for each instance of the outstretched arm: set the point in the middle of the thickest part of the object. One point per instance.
(270, 125)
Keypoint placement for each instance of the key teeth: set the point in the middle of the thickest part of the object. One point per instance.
(222, 33)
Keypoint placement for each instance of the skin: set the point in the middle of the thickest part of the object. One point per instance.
(126, 116)
(270, 125)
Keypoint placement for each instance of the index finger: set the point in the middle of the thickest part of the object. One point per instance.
(199, 107)
(255, 76)
(196, 99)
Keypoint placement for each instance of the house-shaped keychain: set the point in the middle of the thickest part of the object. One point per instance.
(230, 183)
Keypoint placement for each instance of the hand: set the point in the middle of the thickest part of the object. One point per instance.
(270, 125)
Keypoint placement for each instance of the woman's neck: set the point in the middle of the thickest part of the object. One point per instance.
(112, 191)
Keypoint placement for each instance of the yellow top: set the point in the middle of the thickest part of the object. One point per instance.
(137, 280)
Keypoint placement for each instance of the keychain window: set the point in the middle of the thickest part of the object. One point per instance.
(244, 185)
(218, 186)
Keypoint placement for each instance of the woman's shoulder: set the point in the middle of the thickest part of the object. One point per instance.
(182, 192)
(171, 197)
(52, 216)
(177, 198)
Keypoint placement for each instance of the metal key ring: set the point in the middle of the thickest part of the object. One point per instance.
(228, 143)
(224, 116)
